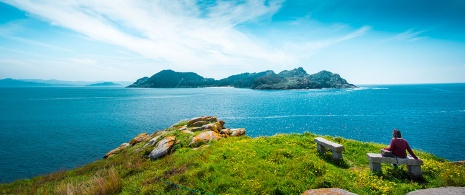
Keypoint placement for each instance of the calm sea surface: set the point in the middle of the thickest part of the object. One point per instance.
(43, 130)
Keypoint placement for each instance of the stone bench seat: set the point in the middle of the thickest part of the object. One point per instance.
(336, 148)
(413, 165)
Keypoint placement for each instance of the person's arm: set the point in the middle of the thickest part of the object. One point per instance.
(391, 146)
(411, 152)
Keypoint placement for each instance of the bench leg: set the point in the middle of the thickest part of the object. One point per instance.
(337, 155)
(375, 167)
(320, 148)
(414, 170)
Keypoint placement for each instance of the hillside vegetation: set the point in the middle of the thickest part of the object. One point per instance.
(287, 79)
(279, 164)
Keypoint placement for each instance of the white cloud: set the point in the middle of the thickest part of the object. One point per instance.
(409, 35)
(181, 34)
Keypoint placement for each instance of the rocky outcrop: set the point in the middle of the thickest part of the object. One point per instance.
(164, 146)
(204, 137)
(139, 138)
(324, 191)
(116, 150)
(237, 132)
(152, 141)
(200, 121)
(194, 133)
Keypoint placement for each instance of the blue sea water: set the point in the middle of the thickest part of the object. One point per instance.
(43, 130)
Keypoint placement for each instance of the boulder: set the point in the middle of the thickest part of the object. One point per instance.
(221, 124)
(237, 132)
(211, 127)
(197, 129)
(164, 146)
(157, 133)
(322, 191)
(139, 138)
(204, 137)
(116, 150)
(198, 124)
(225, 132)
(208, 119)
(152, 141)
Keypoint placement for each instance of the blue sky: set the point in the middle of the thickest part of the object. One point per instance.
(366, 41)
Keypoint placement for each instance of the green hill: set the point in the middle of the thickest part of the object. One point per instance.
(279, 164)
(287, 79)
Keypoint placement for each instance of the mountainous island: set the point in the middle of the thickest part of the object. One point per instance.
(268, 80)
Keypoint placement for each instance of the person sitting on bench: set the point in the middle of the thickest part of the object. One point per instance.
(397, 147)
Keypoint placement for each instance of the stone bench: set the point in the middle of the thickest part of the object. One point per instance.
(322, 144)
(413, 165)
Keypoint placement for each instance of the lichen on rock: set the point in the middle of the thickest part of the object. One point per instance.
(182, 134)
(164, 147)
(140, 138)
(116, 150)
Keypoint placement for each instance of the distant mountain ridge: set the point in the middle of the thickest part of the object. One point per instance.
(8, 82)
(104, 84)
(288, 79)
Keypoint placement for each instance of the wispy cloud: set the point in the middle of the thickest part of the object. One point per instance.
(183, 34)
(409, 35)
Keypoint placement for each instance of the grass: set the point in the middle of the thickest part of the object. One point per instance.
(280, 164)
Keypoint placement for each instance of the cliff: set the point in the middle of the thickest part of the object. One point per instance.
(288, 79)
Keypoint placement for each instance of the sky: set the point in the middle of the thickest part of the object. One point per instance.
(365, 41)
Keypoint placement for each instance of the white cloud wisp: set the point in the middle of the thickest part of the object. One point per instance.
(184, 34)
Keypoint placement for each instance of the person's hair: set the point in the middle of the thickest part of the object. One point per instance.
(396, 133)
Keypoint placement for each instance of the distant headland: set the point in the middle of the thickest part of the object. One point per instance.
(267, 80)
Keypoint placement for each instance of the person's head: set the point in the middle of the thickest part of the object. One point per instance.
(396, 133)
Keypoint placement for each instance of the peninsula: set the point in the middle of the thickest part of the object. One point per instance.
(268, 80)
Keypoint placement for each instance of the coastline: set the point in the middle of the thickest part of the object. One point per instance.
(288, 163)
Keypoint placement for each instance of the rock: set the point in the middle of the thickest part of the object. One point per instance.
(139, 138)
(462, 162)
(324, 191)
(221, 124)
(116, 150)
(152, 142)
(197, 129)
(209, 119)
(164, 147)
(204, 137)
(157, 133)
(211, 127)
(237, 132)
(225, 132)
(439, 191)
(198, 124)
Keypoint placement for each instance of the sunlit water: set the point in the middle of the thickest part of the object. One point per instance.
(43, 130)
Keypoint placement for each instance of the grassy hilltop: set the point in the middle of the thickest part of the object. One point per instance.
(279, 164)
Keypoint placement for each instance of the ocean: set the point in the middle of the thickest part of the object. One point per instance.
(47, 129)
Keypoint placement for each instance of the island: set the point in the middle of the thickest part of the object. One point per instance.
(103, 84)
(268, 80)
